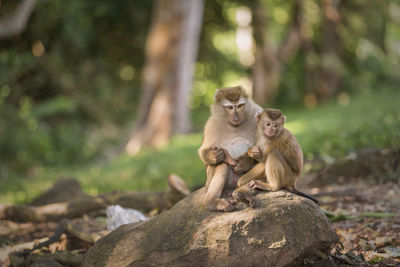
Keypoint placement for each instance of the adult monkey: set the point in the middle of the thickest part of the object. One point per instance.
(230, 131)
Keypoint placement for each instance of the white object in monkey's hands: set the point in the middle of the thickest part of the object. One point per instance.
(237, 146)
(117, 216)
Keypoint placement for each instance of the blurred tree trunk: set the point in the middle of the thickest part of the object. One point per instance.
(322, 66)
(266, 65)
(171, 51)
(269, 62)
(15, 23)
(330, 66)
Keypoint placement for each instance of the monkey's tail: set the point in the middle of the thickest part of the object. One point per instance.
(297, 192)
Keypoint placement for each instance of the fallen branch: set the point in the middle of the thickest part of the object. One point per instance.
(5, 251)
(76, 207)
(75, 231)
(52, 212)
(335, 217)
(65, 226)
(375, 164)
(338, 193)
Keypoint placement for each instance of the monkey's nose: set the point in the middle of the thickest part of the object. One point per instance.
(236, 118)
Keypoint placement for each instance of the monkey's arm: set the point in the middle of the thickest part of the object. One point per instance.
(246, 161)
(293, 156)
(256, 173)
(209, 151)
(254, 152)
(212, 155)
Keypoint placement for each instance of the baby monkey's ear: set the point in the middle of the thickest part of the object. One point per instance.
(283, 119)
(258, 115)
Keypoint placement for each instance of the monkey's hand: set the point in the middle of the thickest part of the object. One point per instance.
(256, 184)
(214, 155)
(244, 164)
(254, 152)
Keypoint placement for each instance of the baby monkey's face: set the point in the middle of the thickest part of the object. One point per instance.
(271, 125)
(271, 128)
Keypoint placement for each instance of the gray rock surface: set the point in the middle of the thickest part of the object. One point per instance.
(282, 231)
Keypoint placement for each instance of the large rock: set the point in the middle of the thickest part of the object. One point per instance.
(284, 230)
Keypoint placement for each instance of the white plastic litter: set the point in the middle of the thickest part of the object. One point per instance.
(117, 216)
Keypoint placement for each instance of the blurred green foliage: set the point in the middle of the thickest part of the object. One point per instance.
(75, 70)
(368, 120)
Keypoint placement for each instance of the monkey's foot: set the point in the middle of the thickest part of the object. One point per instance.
(252, 202)
(239, 196)
(225, 205)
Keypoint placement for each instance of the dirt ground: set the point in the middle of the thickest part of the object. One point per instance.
(366, 217)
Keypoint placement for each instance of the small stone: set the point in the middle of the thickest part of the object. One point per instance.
(278, 244)
(380, 241)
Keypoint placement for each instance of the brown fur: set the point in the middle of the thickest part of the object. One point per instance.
(219, 132)
(273, 114)
(230, 93)
(281, 160)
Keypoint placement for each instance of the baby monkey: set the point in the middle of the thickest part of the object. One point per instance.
(280, 159)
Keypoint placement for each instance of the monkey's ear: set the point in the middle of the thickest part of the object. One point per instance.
(217, 96)
(258, 115)
(283, 119)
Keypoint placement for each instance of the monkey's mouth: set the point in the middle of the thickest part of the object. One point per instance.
(269, 136)
(236, 123)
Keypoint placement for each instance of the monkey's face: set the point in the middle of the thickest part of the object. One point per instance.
(271, 128)
(235, 112)
(230, 104)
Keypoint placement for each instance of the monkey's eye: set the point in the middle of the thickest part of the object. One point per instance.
(240, 106)
(268, 123)
(276, 125)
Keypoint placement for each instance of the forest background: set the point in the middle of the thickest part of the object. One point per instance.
(75, 88)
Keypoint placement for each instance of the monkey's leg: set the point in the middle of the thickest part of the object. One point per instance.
(257, 172)
(213, 198)
(210, 173)
(257, 184)
(276, 170)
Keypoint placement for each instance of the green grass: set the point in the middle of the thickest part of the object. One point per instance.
(371, 120)
(146, 171)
